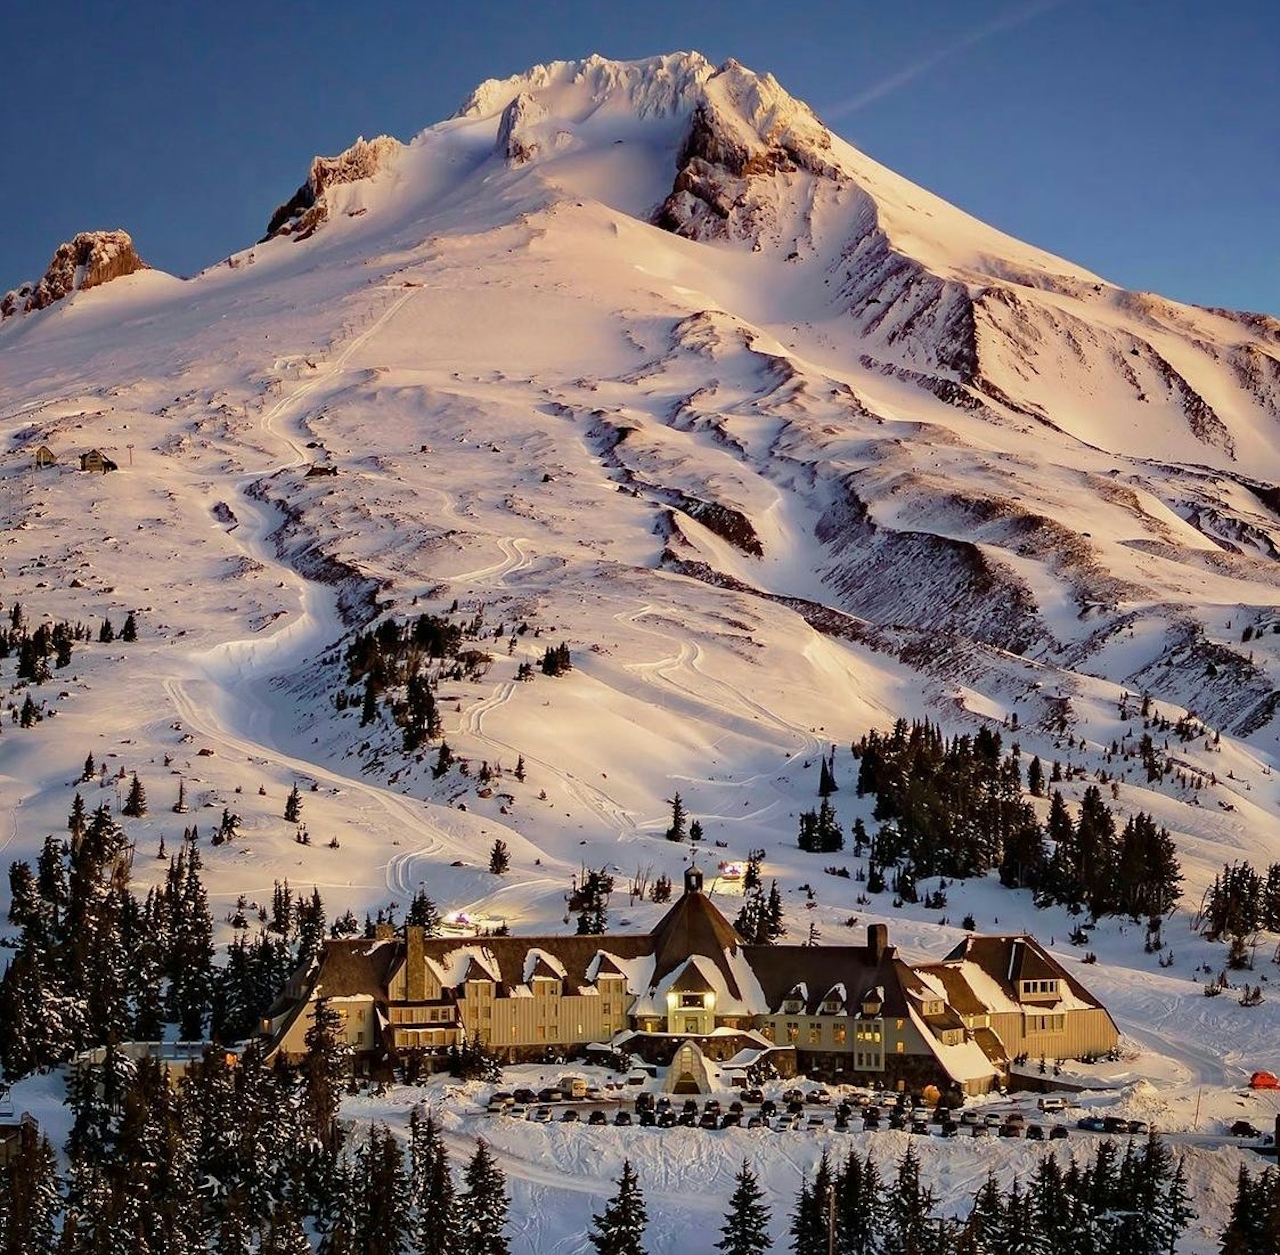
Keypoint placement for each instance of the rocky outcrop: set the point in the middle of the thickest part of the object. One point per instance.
(516, 140)
(308, 208)
(89, 260)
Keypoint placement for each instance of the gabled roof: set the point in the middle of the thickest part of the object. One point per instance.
(1004, 962)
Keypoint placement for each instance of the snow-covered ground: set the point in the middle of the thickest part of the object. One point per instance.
(523, 386)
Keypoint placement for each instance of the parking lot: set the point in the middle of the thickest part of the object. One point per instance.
(794, 1110)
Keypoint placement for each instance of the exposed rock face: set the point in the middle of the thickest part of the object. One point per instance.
(308, 208)
(89, 260)
(514, 141)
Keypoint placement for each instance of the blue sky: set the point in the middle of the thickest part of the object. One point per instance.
(1139, 138)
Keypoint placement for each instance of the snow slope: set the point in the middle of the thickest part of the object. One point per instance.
(641, 356)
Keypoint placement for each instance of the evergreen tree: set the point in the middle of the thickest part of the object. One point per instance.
(324, 1075)
(106, 633)
(129, 632)
(436, 1224)
(444, 760)
(746, 1224)
(812, 1220)
(484, 1205)
(620, 1229)
(135, 804)
(859, 1207)
(1035, 778)
(499, 858)
(293, 806)
(677, 831)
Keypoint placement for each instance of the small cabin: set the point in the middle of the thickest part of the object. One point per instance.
(45, 458)
(96, 460)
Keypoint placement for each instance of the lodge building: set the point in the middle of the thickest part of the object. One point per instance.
(691, 992)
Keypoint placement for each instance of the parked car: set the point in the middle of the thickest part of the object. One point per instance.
(792, 1095)
(920, 1126)
(709, 1120)
(502, 1097)
(1264, 1080)
(623, 1117)
(970, 1117)
(842, 1124)
(1115, 1124)
(525, 1096)
(1034, 1133)
(1093, 1124)
(541, 1115)
(667, 1119)
(1242, 1128)
(1052, 1104)
(1138, 1126)
(663, 1104)
(712, 1104)
(597, 1117)
(645, 1101)
(496, 1108)
(753, 1095)
(768, 1108)
(551, 1094)
(1058, 1132)
(981, 1130)
(1011, 1130)
(755, 1122)
(897, 1120)
(1015, 1117)
(950, 1128)
(690, 1105)
(687, 1119)
(570, 1116)
(736, 1106)
(730, 1119)
(647, 1119)
(518, 1111)
(992, 1120)
(818, 1095)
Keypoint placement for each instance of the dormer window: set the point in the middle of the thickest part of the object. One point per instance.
(692, 1001)
(792, 1006)
(831, 1007)
(1040, 988)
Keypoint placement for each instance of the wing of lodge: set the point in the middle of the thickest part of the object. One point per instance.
(693, 990)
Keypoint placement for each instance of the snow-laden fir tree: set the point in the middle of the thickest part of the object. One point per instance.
(293, 806)
(746, 1224)
(619, 1230)
(435, 1227)
(484, 1205)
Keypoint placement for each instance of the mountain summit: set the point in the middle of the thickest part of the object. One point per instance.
(641, 359)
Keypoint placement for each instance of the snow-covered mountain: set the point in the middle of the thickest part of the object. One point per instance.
(641, 357)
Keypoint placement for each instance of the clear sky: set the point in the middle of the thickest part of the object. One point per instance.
(1138, 138)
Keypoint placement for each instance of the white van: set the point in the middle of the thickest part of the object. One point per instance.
(573, 1086)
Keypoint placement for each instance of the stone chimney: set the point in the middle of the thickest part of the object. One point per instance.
(877, 942)
(384, 932)
(415, 963)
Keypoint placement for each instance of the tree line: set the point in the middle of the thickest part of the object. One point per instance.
(956, 808)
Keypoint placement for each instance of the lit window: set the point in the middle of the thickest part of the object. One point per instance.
(793, 1031)
(901, 1047)
(815, 1035)
(838, 1032)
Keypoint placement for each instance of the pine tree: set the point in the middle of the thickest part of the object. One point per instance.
(1035, 778)
(620, 1229)
(677, 830)
(106, 633)
(135, 805)
(484, 1205)
(436, 1225)
(746, 1224)
(324, 1074)
(520, 772)
(129, 632)
(499, 858)
(444, 760)
(293, 806)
